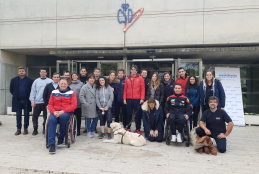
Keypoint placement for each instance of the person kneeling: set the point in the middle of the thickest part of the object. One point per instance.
(153, 120)
(62, 103)
(215, 124)
(177, 110)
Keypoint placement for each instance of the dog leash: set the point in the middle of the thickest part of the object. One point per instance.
(133, 118)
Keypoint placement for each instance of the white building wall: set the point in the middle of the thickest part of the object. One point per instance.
(87, 23)
(9, 62)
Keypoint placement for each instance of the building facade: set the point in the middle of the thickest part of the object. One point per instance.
(158, 36)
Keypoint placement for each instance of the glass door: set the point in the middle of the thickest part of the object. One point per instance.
(154, 66)
(62, 66)
(191, 66)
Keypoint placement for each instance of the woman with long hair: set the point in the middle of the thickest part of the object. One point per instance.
(114, 83)
(76, 86)
(89, 111)
(211, 86)
(104, 99)
(155, 89)
(193, 94)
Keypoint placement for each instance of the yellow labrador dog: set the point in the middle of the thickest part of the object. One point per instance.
(125, 137)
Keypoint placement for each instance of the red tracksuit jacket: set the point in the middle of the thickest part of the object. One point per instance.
(65, 101)
(134, 88)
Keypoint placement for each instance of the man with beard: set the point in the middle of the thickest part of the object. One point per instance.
(215, 120)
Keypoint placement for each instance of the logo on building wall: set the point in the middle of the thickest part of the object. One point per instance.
(227, 76)
(129, 18)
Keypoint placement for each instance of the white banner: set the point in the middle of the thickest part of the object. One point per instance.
(230, 79)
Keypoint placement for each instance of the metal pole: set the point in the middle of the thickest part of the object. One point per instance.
(57, 67)
(72, 63)
(50, 72)
(200, 70)
(68, 65)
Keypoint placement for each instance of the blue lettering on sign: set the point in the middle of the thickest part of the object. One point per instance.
(125, 8)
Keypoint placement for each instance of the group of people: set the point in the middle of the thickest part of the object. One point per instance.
(98, 98)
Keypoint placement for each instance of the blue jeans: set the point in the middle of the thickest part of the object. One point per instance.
(91, 127)
(53, 121)
(22, 104)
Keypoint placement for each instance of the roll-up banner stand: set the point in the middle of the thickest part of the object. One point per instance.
(230, 79)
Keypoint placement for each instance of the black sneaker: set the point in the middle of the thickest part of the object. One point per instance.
(52, 149)
(109, 136)
(102, 136)
(60, 142)
(35, 132)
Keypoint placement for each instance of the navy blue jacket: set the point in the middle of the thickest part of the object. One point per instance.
(14, 90)
(115, 93)
(218, 91)
(120, 91)
(159, 119)
(193, 95)
(168, 90)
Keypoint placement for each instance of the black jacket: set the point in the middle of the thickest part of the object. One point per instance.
(47, 91)
(83, 79)
(147, 82)
(168, 90)
(178, 105)
(14, 90)
(159, 93)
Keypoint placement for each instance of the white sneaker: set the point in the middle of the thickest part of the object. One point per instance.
(95, 134)
(179, 138)
(173, 138)
(89, 134)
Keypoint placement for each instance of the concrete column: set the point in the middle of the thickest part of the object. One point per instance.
(9, 62)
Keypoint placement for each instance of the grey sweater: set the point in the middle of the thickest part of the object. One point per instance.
(104, 97)
(76, 87)
(37, 89)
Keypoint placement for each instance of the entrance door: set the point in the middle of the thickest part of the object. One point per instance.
(192, 67)
(155, 66)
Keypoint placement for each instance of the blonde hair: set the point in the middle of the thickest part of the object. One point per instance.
(156, 83)
(115, 79)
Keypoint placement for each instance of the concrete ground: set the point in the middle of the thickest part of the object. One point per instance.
(28, 154)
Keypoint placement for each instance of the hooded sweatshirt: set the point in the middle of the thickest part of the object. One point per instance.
(76, 87)
(37, 89)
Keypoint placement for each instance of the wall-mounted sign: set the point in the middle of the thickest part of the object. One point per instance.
(128, 16)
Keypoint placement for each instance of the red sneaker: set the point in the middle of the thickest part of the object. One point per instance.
(128, 130)
(138, 132)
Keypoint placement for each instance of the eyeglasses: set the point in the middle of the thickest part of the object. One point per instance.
(133, 69)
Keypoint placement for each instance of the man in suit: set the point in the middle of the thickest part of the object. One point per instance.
(20, 88)
(49, 88)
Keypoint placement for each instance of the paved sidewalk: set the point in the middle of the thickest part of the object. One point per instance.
(28, 154)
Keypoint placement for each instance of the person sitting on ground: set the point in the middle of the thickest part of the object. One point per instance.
(62, 103)
(215, 120)
(177, 110)
(153, 120)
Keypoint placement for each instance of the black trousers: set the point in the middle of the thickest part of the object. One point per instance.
(159, 138)
(119, 105)
(221, 143)
(179, 119)
(196, 110)
(77, 112)
(106, 117)
(36, 112)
